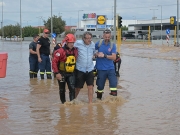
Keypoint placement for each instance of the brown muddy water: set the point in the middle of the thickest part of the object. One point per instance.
(148, 101)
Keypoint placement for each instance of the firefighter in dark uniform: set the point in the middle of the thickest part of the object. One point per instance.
(117, 64)
(43, 53)
(33, 59)
(63, 65)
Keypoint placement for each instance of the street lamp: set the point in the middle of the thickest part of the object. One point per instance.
(70, 21)
(134, 19)
(60, 14)
(40, 18)
(51, 19)
(177, 22)
(78, 18)
(2, 22)
(161, 23)
(20, 23)
(27, 21)
(154, 16)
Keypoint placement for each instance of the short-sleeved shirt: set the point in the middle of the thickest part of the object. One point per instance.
(104, 63)
(45, 45)
(32, 46)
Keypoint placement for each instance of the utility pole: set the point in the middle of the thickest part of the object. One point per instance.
(177, 22)
(114, 21)
(2, 23)
(20, 23)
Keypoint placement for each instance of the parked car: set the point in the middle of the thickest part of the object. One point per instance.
(129, 36)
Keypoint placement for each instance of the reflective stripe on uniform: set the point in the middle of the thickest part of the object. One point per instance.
(113, 89)
(42, 73)
(100, 91)
(48, 72)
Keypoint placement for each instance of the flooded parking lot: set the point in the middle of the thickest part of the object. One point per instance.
(148, 100)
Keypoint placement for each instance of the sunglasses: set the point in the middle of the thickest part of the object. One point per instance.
(107, 31)
(46, 33)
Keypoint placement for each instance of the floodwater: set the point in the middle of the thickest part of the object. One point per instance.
(148, 100)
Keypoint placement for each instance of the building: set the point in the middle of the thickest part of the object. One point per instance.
(97, 23)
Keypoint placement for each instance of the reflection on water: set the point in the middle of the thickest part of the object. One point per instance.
(148, 101)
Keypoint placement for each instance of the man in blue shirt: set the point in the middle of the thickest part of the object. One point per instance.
(104, 64)
(84, 64)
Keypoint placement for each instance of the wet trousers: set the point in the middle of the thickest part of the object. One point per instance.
(70, 80)
(45, 66)
(33, 66)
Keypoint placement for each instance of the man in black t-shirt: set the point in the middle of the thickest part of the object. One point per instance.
(43, 52)
(33, 59)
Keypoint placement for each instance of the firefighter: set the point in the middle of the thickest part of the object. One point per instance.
(33, 59)
(63, 65)
(43, 53)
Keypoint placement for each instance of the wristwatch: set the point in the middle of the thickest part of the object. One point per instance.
(105, 55)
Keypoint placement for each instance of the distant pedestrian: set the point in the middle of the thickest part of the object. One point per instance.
(43, 53)
(33, 59)
(117, 64)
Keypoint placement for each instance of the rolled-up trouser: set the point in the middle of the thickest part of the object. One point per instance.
(45, 64)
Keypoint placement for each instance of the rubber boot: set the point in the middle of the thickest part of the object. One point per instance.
(35, 75)
(42, 76)
(31, 75)
(71, 95)
(113, 93)
(49, 76)
(99, 95)
(62, 97)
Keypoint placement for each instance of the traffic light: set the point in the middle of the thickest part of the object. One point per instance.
(119, 21)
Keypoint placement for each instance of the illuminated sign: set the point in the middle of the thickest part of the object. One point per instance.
(89, 16)
(173, 20)
(101, 19)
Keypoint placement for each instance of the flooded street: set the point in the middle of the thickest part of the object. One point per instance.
(148, 101)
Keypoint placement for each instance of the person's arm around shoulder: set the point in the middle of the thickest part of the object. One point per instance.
(96, 49)
(31, 49)
(37, 51)
(76, 52)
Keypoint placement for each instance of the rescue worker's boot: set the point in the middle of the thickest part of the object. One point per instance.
(42, 76)
(35, 75)
(99, 95)
(62, 96)
(31, 75)
(113, 93)
(71, 95)
(49, 76)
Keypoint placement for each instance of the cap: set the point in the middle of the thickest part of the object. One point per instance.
(45, 31)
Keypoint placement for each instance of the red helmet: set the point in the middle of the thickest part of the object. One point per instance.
(70, 38)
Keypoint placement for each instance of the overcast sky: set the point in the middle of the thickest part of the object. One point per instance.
(32, 10)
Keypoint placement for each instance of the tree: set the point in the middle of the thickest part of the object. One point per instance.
(58, 24)
(68, 31)
(124, 28)
(30, 31)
